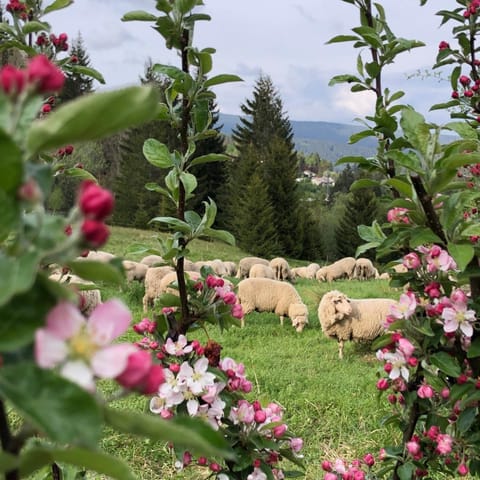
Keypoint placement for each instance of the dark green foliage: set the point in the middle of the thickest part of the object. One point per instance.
(360, 209)
(77, 84)
(256, 232)
(264, 140)
(348, 175)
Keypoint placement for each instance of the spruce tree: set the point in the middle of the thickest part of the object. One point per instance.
(360, 209)
(264, 140)
(77, 84)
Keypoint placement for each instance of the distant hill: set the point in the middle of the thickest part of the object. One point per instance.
(330, 140)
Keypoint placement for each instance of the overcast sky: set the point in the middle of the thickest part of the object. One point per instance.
(285, 39)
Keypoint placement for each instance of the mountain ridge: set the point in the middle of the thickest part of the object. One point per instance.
(330, 140)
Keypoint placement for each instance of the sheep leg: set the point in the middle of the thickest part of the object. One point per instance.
(340, 349)
(281, 320)
(242, 322)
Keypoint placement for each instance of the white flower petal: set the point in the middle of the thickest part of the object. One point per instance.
(78, 372)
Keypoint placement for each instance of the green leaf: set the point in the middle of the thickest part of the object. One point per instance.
(97, 271)
(157, 153)
(211, 157)
(408, 160)
(184, 6)
(463, 129)
(93, 116)
(365, 247)
(89, 72)
(138, 15)
(421, 236)
(466, 418)
(34, 26)
(405, 471)
(343, 38)
(93, 460)
(446, 363)
(7, 462)
(457, 160)
(364, 183)
(403, 187)
(73, 414)
(474, 349)
(221, 235)
(57, 5)
(356, 137)
(346, 78)
(11, 166)
(462, 253)
(190, 433)
(9, 218)
(79, 173)
(189, 182)
(219, 79)
(174, 223)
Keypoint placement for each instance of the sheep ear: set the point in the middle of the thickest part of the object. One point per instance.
(329, 312)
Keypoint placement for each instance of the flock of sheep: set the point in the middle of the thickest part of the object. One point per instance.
(264, 286)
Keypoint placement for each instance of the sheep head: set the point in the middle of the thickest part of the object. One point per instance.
(298, 313)
(333, 307)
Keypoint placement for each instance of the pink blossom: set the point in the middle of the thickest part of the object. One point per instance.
(327, 466)
(405, 307)
(411, 261)
(257, 474)
(439, 259)
(81, 348)
(425, 391)
(279, 430)
(178, 348)
(458, 296)
(330, 476)
(369, 459)
(237, 311)
(45, 75)
(405, 346)
(433, 290)
(444, 444)
(296, 444)
(398, 215)
(413, 447)
(462, 469)
(458, 317)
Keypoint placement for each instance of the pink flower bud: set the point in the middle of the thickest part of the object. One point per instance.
(445, 393)
(12, 80)
(327, 466)
(369, 459)
(138, 365)
(237, 311)
(155, 377)
(95, 202)
(95, 233)
(382, 384)
(260, 416)
(462, 470)
(279, 430)
(230, 298)
(425, 391)
(46, 76)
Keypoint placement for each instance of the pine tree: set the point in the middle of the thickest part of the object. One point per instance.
(360, 209)
(264, 139)
(77, 84)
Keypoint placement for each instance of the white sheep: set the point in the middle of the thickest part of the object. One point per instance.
(153, 278)
(134, 270)
(281, 269)
(258, 270)
(266, 295)
(359, 320)
(88, 298)
(231, 268)
(306, 272)
(99, 256)
(342, 268)
(245, 263)
(364, 269)
(153, 260)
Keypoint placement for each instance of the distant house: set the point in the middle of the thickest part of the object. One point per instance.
(323, 181)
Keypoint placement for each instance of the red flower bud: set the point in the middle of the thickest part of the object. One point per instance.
(95, 202)
(95, 233)
(12, 80)
(45, 75)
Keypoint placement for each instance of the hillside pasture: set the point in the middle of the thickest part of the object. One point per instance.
(332, 404)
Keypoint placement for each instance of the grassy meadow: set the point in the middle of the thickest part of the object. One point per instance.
(332, 404)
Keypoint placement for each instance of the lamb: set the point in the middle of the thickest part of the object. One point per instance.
(245, 263)
(261, 271)
(88, 298)
(342, 268)
(134, 270)
(364, 269)
(267, 295)
(281, 269)
(359, 320)
(152, 281)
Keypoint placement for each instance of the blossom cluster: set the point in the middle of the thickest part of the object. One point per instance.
(356, 470)
(200, 383)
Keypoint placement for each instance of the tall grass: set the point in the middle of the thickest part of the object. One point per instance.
(332, 404)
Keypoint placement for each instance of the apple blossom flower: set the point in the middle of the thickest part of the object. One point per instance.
(458, 317)
(212, 413)
(82, 348)
(405, 307)
(411, 261)
(196, 379)
(296, 444)
(444, 444)
(413, 447)
(425, 391)
(94, 201)
(242, 413)
(46, 76)
(398, 215)
(405, 346)
(462, 469)
(257, 474)
(399, 365)
(178, 348)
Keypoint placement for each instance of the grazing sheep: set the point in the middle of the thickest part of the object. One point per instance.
(359, 320)
(152, 260)
(99, 256)
(231, 268)
(88, 298)
(245, 263)
(266, 295)
(261, 271)
(218, 266)
(170, 278)
(364, 269)
(134, 270)
(153, 278)
(306, 272)
(281, 269)
(342, 268)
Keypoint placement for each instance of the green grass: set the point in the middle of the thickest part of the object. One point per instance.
(332, 404)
